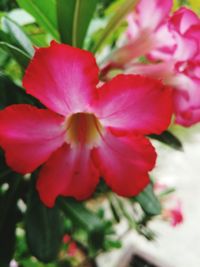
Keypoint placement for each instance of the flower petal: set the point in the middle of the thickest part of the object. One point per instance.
(183, 19)
(62, 77)
(165, 45)
(134, 103)
(124, 162)
(29, 135)
(180, 24)
(153, 13)
(187, 107)
(194, 33)
(69, 172)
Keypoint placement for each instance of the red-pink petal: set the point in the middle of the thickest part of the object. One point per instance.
(124, 163)
(134, 103)
(69, 172)
(62, 77)
(29, 135)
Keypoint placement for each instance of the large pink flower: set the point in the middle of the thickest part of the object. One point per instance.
(86, 131)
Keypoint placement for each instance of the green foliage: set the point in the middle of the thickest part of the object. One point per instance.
(10, 93)
(44, 12)
(148, 201)
(20, 56)
(9, 217)
(74, 17)
(169, 139)
(19, 38)
(114, 22)
(85, 219)
(44, 229)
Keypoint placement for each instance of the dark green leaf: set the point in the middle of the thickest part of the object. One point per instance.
(168, 139)
(74, 17)
(7, 240)
(4, 169)
(20, 56)
(4, 37)
(10, 93)
(43, 229)
(9, 217)
(18, 36)
(44, 12)
(85, 219)
(148, 201)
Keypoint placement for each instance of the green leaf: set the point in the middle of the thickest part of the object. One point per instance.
(9, 217)
(44, 12)
(148, 201)
(169, 139)
(20, 39)
(20, 56)
(74, 17)
(10, 93)
(4, 169)
(85, 219)
(114, 22)
(44, 229)
(4, 37)
(114, 209)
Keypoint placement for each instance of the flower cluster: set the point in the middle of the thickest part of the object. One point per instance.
(169, 45)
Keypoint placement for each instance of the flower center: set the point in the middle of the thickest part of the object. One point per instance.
(84, 129)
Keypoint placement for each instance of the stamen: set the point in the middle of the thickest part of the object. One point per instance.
(84, 129)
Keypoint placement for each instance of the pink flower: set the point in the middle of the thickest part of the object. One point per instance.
(175, 214)
(173, 55)
(72, 249)
(86, 131)
(66, 239)
(71, 245)
(160, 36)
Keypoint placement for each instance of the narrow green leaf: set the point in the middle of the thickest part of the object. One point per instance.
(20, 56)
(44, 12)
(74, 17)
(169, 139)
(43, 229)
(114, 209)
(148, 201)
(114, 22)
(19, 37)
